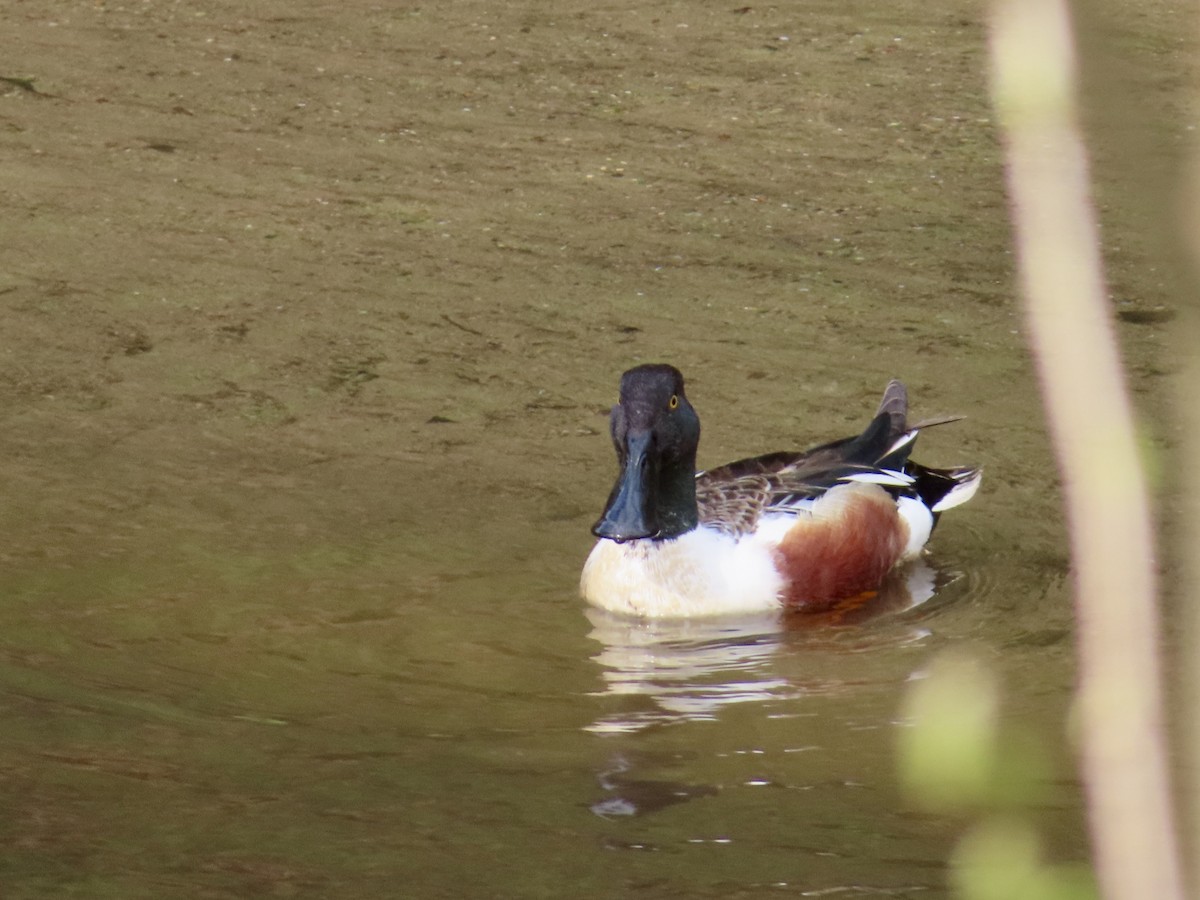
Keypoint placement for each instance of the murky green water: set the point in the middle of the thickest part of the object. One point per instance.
(311, 319)
(380, 724)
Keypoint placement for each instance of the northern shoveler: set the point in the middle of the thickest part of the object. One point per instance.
(783, 531)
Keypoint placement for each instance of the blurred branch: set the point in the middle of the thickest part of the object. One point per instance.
(1119, 693)
(1189, 413)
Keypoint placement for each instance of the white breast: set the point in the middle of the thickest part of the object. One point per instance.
(701, 573)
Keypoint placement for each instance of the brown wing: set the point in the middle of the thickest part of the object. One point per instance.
(731, 504)
(731, 498)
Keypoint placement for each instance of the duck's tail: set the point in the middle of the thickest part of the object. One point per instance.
(943, 489)
(939, 489)
(894, 405)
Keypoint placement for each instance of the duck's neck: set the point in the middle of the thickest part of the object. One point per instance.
(674, 498)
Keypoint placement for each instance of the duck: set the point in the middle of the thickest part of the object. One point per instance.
(789, 531)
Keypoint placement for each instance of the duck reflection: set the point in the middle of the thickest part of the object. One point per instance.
(689, 669)
(660, 672)
(629, 796)
(686, 669)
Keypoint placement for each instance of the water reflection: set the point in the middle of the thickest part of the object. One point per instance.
(689, 669)
(656, 674)
(685, 669)
(630, 796)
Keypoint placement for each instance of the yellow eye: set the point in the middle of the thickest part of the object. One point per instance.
(673, 403)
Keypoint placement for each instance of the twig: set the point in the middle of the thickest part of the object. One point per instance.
(459, 325)
(1119, 692)
(1189, 539)
(25, 84)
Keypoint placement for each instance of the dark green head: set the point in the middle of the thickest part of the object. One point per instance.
(656, 432)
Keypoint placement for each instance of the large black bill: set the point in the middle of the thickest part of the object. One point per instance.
(630, 513)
